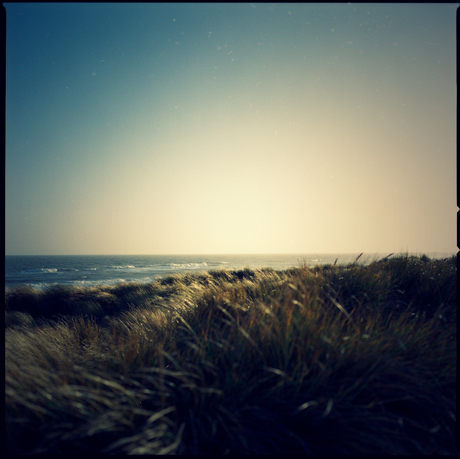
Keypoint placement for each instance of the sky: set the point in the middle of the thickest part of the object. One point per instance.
(230, 128)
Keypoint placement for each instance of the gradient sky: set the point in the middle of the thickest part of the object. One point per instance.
(230, 128)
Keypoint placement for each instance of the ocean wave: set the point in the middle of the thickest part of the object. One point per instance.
(187, 265)
(40, 271)
(123, 267)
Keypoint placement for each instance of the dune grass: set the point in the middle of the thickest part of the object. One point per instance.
(353, 359)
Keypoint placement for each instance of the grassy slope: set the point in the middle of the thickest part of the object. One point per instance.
(330, 360)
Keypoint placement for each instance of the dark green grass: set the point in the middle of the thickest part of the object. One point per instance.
(355, 359)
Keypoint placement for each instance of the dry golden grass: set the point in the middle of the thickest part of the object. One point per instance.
(330, 360)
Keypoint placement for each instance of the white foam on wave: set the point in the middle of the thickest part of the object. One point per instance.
(40, 271)
(187, 265)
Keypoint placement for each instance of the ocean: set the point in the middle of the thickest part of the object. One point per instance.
(87, 270)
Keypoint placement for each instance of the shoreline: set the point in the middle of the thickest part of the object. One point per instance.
(42, 272)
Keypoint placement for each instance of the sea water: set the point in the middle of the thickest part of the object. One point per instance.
(87, 270)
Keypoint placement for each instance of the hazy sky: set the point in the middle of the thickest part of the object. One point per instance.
(230, 128)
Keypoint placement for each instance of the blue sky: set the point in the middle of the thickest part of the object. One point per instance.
(230, 128)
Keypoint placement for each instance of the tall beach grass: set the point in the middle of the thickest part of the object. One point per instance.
(350, 359)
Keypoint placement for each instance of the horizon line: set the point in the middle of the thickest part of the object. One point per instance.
(224, 254)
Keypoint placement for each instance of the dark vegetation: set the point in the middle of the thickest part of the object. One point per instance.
(355, 359)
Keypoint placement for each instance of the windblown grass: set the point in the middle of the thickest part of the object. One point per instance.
(348, 359)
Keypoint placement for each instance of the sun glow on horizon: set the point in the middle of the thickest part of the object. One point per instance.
(230, 129)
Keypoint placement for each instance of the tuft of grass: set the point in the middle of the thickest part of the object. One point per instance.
(351, 359)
